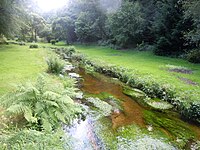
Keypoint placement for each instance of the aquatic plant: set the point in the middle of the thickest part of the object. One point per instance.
(143, 143)
(101, 108)
(186, 103)
(177, 129)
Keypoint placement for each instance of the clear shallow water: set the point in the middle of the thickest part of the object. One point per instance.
(83, 134)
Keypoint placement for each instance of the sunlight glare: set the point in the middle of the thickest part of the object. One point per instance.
(47, 5)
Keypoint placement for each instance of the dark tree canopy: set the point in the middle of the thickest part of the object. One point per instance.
(171, 26)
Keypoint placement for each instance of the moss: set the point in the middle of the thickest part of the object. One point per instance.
(102, 95)
(103, 129)
(142, 99)
(110, 99)
(177, 129)
(135, 94)
(159, 104)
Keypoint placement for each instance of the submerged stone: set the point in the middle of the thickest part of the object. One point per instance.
(74, 75)
(68, 67)
(158, 104)
(79, 95)
(135, 94)
(142, 99)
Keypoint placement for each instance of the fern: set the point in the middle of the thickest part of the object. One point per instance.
(42, 103)
(55, 65)
(33, 140)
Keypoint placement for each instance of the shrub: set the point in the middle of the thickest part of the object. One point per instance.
(53, 42)
(55, 65)
(43, 104)
(163, 47)
(33, 46)
(71, 50)
(194, 56)
(31, 140)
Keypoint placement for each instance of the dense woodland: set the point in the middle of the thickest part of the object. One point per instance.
(169, 27)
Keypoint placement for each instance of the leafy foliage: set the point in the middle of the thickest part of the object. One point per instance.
(126, 24)
(192, 11)
(11, 13)
(55, 65)
(194, 56)
(90, 23)
(42, 104)
(63, 29)
(33, 46)
(31, 140)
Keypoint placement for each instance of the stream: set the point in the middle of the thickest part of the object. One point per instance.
(85, 137)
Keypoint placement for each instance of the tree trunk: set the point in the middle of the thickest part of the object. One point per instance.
(35, 35)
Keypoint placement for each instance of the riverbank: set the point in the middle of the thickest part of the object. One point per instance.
(170, 79)
(32, 112)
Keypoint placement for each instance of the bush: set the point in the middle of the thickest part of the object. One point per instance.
(33, 46)
(55, 65)
(53, 42)
(71, 50)
(194, 56)
(31, 140)
(3, 40)
(44, 104)
(163, 47)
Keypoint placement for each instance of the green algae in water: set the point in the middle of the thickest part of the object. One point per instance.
(103, 129)
(136, 95)
(101, 108)
(159, 104)
(110, 99)
(178, 131)
(129, 137)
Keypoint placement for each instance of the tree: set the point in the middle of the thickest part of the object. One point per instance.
(90, 24)
(126, 24)
(192, 11)
(169, 26)
(11, 16)
(46, 33)
(36, 23)
(63, 29)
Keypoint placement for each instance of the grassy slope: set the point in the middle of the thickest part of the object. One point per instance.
(147, 63)
(18, 64)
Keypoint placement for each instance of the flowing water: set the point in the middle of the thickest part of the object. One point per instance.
(83, 132)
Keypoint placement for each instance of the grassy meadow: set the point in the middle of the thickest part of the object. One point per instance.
(146, 63)
(19, 64)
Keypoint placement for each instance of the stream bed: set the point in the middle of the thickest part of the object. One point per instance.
(129, 126)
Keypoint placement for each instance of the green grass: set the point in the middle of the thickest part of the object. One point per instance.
(19, 64)
(147, 64)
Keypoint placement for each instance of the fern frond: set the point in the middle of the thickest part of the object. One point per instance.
(28, 114)
(17, 109)
(65, 100)
(60, 116)
(50, 103)
(51, 95)
(46, 125)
